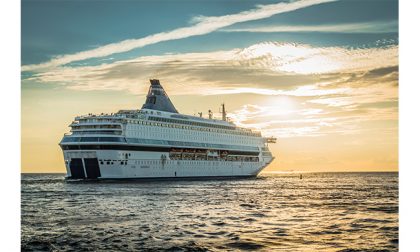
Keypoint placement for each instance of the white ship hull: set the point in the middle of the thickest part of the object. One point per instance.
(148, 165)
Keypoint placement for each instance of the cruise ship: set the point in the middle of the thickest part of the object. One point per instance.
(158, 142)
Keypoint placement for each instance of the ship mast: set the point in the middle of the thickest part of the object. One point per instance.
(223, 112)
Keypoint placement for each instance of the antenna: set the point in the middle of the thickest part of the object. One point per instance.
(223, 112)
(200, 114)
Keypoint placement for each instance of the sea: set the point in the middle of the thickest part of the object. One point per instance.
(273, 212)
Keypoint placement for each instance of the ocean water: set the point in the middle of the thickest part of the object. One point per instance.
(320, 212)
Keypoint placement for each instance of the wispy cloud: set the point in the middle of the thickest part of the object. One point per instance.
(304, 121)
(202, 25)
(265, 69)
(306, 59)
(307, 90)
(363, 27)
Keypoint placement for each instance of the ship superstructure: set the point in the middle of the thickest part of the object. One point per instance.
(158, 142)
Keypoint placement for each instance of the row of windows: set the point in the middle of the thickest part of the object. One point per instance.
(99, 132)
(116, 126)
(111, 162)
(173, 124)
(113, 147)
(99, 119)
(157, 162)
(159, 142)
(210, 127)
(178, 156)
(168, 120)
(93, 139)
(191, 144)
(192, 135)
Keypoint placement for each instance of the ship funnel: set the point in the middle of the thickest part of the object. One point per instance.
(157, 99)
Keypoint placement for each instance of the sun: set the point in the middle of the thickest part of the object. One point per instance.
(280, 105)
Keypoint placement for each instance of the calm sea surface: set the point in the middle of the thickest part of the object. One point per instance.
(321, 212)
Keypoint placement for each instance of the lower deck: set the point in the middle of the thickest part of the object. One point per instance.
(114, 165)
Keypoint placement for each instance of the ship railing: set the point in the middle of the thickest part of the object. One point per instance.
(102, 115)
(96, 133)
(78, 133)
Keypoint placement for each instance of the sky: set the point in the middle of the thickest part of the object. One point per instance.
(319, 75)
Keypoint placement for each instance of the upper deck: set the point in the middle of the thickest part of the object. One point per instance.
(157, 111)
(117, 120)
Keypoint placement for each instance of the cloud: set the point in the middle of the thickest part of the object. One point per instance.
(356, 97)
(362, 89)
(275, 121)
(306, 59)
(203, 25)
(306, 121)
(307, 90)
(268, 68)
(363, 27)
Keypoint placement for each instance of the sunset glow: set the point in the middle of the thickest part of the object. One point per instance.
(329, 96)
